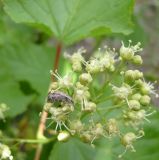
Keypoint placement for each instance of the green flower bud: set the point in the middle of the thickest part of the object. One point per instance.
(89, 107)
(129, 75)
(65, 82)
(98, 130)
(146, 88)
(141, 114)
(133, 75)
(137, 60)
(85, 78)
(134, 105)
(76, 59)
(111, 68)
(139, 82)
(138, 74)
(63, 136)
(128, 139)
(93, 66)
(136, 96)
(126, 53)
(112, 127)
(131, 115)
(86, 137)
(76, 125)
(77, 67)
(122, 92)
(145, 100)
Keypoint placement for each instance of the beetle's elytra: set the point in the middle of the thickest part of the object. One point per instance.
(59, 97)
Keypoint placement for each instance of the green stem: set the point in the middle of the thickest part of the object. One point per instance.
(112, 107)
(41, 141)
(104, 99)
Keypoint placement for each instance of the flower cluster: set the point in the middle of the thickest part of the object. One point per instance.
(5, 152)
(82, 102)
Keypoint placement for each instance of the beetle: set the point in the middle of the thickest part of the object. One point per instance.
(59, 97)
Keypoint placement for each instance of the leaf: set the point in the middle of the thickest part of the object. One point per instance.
(31, 63)
(72, 20)
(10, 92)
(23, 67)
(10, 31)
(71, 150)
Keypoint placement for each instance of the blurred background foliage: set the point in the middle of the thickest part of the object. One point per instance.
(27, 55)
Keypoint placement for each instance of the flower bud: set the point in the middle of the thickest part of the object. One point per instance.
(89, 107)
(77, 60)
(76, 125)
(111, 68)
(138, 82)
(138, 74)
(63, 136)
(129, 75)
(146, 88)
(77, 67)
(136, 96)
(85, 78)
(126, 53)
(133, 75)
(112, 127)
(128, 139)
(86, 137)
(134, 105)
(122, 92)
(98, 130)
(141, 114)
(93, 66)
(137, 60)
(145, 100)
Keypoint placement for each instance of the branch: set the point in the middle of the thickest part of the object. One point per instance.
(41, 128)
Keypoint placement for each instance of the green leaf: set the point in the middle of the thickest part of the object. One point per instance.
(72, 20)
(31, 63)
(10, 92)
(10, 31)
(71, 150)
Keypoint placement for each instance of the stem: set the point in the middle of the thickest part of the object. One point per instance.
(104, 99)
(41, 128)
(41, 141)
(112, 107)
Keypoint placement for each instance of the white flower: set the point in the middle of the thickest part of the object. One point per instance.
(122, 92)
(5, 152)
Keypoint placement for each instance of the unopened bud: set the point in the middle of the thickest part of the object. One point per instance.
(137, 60)
(134, 105)
(145, 100)
(63, 136)
(85, 78)
(128, 139)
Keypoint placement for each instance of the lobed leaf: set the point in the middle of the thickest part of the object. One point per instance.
(72, 20)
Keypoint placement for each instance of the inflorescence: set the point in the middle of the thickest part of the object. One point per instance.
(80, 103)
